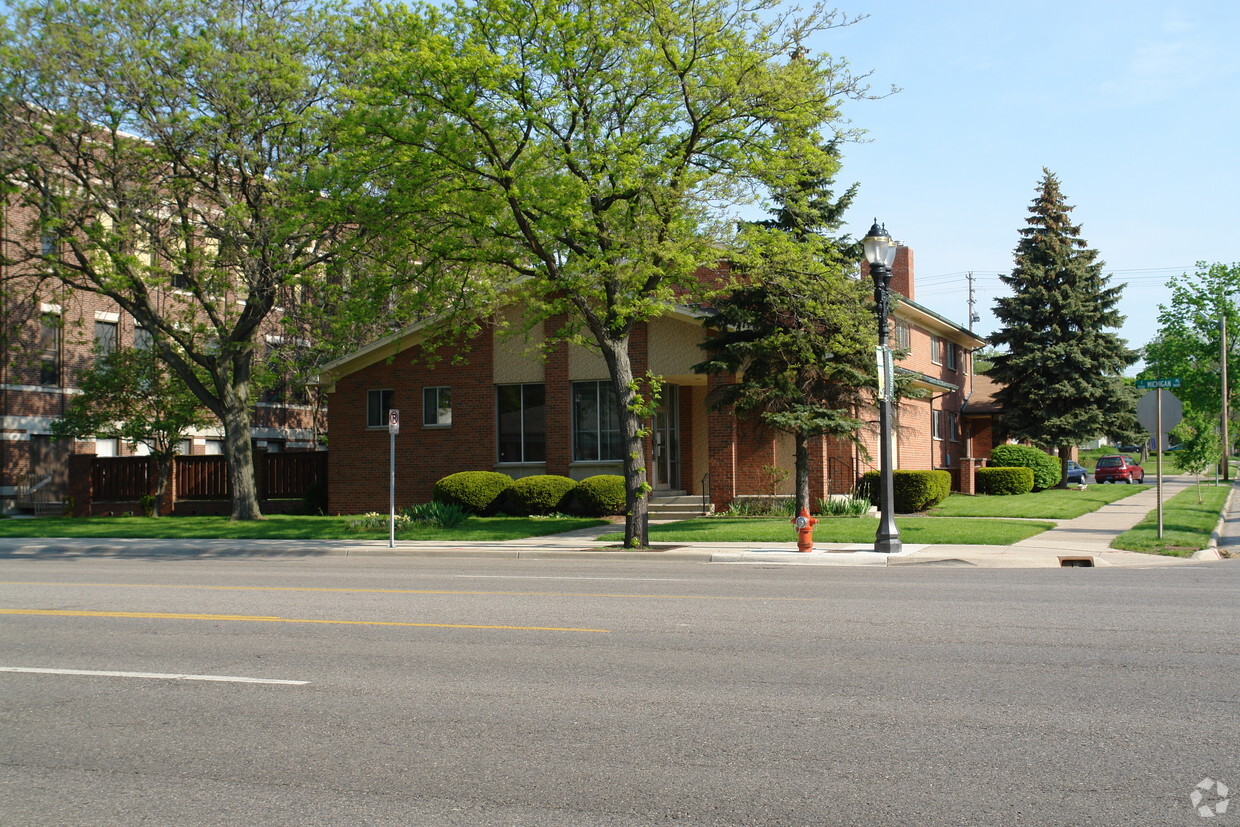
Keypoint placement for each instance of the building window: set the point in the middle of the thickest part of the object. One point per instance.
(142, 338)
(936, 350)
(596, 423)
(903, 339)
(522, 417)
(105, 337)
(953, 426)
(437, 406)
(378, 403)
(49, 350)
(936, 424)
(949, 350)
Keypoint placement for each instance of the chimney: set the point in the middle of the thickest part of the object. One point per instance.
(902, 272)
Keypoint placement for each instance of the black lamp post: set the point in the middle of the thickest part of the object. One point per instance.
(880, 252)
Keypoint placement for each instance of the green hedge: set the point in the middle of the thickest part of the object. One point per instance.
(599, 496)
(539, 494)
(1003, 480)
(478, 491)
(1046, 470)
(914, 490)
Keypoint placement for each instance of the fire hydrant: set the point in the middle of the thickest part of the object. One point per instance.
(805, 530)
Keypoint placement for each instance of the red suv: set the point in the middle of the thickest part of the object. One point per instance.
(1119, 468)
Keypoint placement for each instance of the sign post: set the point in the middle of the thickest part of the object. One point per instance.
(1158, 385)
(393, 430)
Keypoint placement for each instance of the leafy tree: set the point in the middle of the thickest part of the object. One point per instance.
(1188, 343)
(178, 152)
(1200, 445)
(130, 395)
(579, 153)
(795, 328)
(1061, 369)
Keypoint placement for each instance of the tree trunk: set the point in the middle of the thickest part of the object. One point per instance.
(163, 473)
(1065, 453)
(632, 430)
(240, 458)
(802, 472)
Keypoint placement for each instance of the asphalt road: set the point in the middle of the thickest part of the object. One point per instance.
(464, 692)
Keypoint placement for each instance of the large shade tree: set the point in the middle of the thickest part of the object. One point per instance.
(1190, 344)
(1061, 370)
(583, 151)
(177, 153)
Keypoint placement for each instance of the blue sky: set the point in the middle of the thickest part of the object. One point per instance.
(1135, 106)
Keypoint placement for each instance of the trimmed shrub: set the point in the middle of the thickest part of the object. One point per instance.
(1046, 470)
(539, 494)
(1004, 480)
(915, 490)
(476, 491)
(599, 496)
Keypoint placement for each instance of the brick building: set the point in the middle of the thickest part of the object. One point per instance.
(490, 403)
(49, 334)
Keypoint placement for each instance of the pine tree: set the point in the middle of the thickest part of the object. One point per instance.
(796, 326)
(1061, 371)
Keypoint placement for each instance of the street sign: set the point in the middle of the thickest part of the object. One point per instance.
(1142, 384)
(393, 421)
(1172, 411)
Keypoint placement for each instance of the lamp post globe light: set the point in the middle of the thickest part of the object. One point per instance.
(880, 252)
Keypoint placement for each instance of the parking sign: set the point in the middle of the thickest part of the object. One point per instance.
(393, 421)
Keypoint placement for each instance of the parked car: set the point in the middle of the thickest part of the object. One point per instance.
(1129, 449)
(1118, 468)
(1076, 472)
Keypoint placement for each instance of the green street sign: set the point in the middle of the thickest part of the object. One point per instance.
(1142, 384)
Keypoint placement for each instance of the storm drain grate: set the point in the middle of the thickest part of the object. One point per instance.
(1076, 562)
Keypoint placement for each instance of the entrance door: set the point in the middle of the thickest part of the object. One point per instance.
(667, 441)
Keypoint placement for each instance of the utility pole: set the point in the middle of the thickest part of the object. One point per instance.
(1222, 326)
(973, 317)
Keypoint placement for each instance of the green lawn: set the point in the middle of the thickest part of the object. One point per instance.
(281, 527)
(1052, 504)
(1186, 524)
(845, 530)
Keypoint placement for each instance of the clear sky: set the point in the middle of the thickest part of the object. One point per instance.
(1135, 106)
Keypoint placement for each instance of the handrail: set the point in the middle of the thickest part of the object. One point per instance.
(705, 485)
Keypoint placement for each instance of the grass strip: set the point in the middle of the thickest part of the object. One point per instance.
(846, 530)
(281, 527)
(1187, 524)
(1051, 504)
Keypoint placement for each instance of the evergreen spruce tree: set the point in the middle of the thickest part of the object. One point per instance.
(1061, 369)
(795, 325)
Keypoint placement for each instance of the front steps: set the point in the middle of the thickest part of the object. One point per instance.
(677, 505)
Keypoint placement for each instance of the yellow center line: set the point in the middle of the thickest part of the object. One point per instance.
(477, 592)
(266, 619)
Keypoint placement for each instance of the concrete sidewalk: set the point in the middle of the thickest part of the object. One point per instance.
(1087, 537)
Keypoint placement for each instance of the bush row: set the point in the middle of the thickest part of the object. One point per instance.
(1046, 470)
(1001, 480)
(914, 490)
(490, 492)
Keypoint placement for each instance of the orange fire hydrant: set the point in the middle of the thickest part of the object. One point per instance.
(805, 530)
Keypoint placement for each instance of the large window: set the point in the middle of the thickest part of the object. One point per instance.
(105, 337)
(522, 415)
(49, 350)
(378, 403)
(437, 406)
(950, 352)
(936, 350)
(936, 424)
(596, 423)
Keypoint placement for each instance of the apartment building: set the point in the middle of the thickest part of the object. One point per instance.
(492, 403)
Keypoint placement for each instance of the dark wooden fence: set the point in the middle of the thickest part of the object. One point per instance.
(199, 484)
